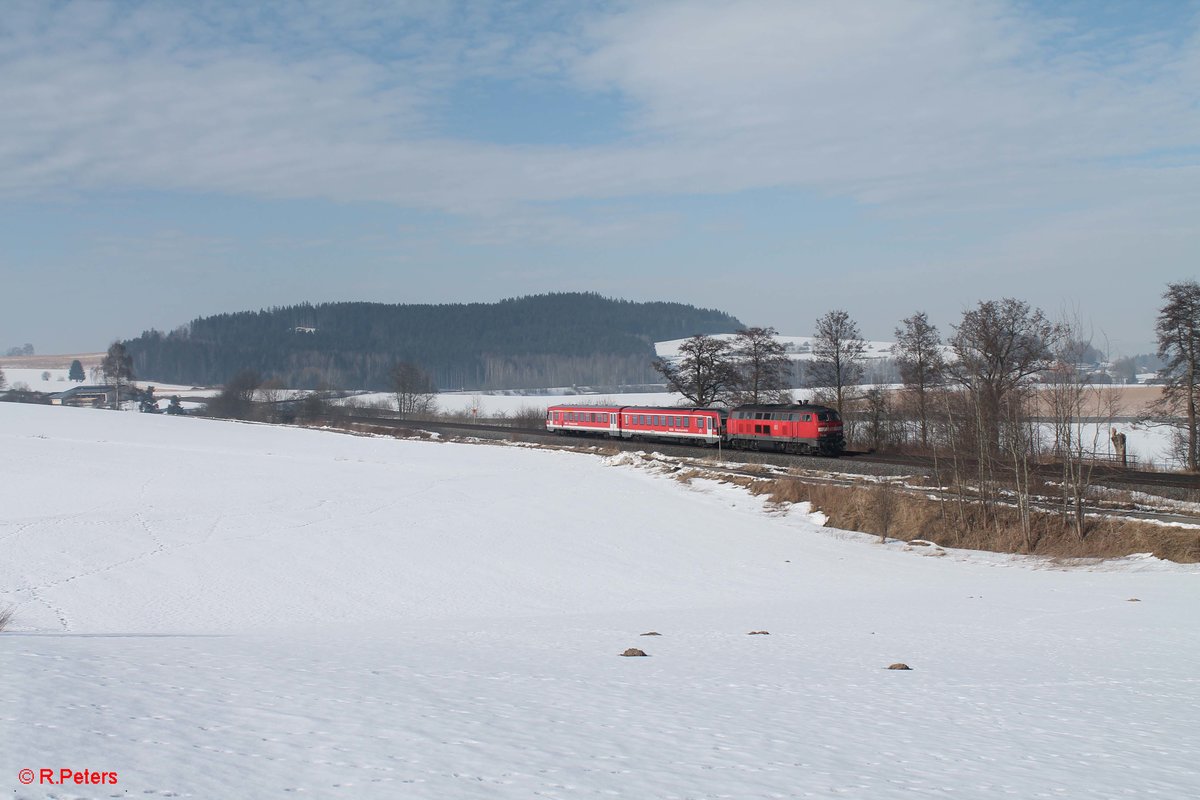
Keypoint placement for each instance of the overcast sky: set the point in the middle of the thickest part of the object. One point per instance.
(164, 161)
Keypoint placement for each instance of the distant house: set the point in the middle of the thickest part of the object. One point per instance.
(303, 329)
(85, 396)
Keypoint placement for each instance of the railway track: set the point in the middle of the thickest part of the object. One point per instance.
(1175, 486)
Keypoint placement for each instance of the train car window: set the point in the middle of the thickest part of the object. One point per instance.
(687, 422)
(808, 417)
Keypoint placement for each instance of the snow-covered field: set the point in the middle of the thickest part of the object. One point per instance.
(798, 348)
(213, 609)
(56, 380)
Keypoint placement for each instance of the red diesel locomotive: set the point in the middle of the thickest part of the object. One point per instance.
(788, 428)
(796, 428)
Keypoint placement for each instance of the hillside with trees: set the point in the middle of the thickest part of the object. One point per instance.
(543, 340)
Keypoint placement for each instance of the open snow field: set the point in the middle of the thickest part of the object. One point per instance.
(213, 609)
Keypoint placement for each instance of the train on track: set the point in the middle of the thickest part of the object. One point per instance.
(793, 428)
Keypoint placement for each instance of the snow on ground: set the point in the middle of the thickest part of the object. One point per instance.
(1148, 444)
(56, 380)
(799, 348)
(215, 609)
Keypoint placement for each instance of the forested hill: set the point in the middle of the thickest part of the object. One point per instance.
(543, 340)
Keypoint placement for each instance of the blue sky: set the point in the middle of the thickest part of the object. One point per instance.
(163, 161)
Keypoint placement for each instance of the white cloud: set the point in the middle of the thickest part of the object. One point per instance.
(938, 103)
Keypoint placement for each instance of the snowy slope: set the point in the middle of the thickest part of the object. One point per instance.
(215, 609)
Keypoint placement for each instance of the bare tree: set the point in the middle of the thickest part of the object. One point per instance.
(877, 414)
(272, 395)
(3, 381)
(1178, 331)
(838, 350)
(762, 367)
(1082, 411)
(918, 352)
(117, 368)
(413, 388)
(703, 373)
(885, 507)
(1000, 346)
(236, 400)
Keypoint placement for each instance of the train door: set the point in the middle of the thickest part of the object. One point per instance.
(613, 430)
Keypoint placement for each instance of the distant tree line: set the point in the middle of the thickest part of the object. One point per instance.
(545, 340)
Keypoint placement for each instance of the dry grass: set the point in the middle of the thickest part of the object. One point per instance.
(951, 524)
(61, 361)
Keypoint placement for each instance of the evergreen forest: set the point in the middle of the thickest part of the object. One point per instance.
(565, 339)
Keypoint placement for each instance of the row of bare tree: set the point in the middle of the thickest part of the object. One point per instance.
(975, 388)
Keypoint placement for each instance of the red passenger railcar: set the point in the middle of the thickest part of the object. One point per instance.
(790, 428)
(595, 420)
(695, 425)
(647, 423)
